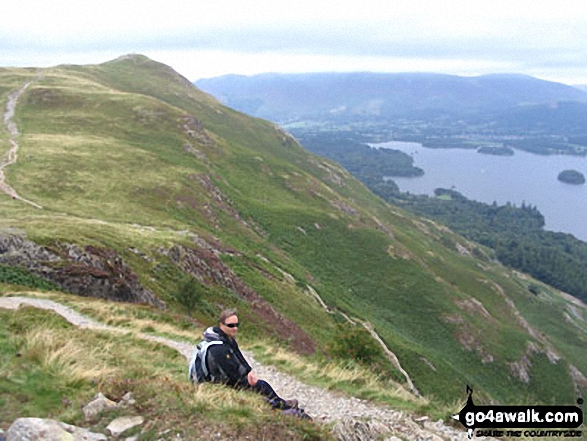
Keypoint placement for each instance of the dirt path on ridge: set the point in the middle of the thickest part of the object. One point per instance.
(12, 155)
(365, 420)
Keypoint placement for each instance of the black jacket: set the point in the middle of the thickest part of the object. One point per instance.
(226, 362)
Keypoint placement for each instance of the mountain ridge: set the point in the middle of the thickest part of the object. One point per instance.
(126, 156)
(290, 96)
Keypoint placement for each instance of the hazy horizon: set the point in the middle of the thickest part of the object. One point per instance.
(208, 38)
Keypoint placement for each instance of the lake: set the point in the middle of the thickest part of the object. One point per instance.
(524, 177)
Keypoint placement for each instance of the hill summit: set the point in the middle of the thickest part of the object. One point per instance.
(144, 184)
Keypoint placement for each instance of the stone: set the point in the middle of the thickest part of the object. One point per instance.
(99, 404)
(37, 429)
(421, 419)
(127, 400)
(122, 424)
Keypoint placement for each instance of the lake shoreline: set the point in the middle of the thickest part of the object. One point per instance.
(524, 178)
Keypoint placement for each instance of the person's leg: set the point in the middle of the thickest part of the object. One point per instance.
(265, 389)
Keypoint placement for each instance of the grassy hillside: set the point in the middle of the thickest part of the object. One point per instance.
(59, 368)
(128, 156)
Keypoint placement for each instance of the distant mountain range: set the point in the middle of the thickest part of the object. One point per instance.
(332, 96)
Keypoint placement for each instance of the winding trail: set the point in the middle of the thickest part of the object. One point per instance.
(12, 154)
(369, 327)
(353, 419)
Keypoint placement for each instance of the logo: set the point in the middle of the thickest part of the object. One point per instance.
(543, 420)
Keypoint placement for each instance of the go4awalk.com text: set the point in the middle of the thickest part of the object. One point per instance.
(516, 421)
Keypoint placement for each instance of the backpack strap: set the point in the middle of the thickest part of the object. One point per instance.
(199, 356)
(192, 365)
(204, 353)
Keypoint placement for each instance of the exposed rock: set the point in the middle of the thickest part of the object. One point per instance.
(521, 368)
(344, 207)
(465, 333)
(286, 276)
(101, 272)
(127, 400)
(122, 424)
(335, 175)
(99, 404)
(205, 265)
(474, 307)
(194, 129)
(382, 227)
(218, 199)
(314, 294)
(189, 148)
(579, 380)
(88, 271)
(37, 429)
(428, 363)
(462, 250)
(16, 250)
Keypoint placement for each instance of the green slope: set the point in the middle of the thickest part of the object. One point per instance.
(127, 155)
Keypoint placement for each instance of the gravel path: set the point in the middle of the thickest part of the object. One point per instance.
(12, 155)
(352, 418)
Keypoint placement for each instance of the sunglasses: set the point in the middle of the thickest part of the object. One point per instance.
(232, 325)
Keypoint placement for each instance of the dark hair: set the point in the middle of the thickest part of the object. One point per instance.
(225, 314)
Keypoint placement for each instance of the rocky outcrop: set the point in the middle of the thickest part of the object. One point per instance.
(87, 271)
(195, 130)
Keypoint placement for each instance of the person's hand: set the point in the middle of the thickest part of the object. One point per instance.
(252, 378)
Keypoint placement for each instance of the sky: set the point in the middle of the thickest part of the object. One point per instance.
(207, 38)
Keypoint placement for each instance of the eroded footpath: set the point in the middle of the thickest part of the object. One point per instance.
(12, 155)
(352, 418)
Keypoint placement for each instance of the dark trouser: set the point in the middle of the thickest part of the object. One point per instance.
(265, 389)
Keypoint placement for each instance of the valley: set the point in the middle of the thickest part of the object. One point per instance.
(147, 183)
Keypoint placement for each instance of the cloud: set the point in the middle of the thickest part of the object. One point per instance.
(522, 35)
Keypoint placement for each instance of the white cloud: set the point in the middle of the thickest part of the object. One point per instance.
(453, 36)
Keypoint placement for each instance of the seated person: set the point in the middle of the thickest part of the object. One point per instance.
(226, 363)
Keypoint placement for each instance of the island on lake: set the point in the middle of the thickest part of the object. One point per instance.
(498, 151)
(571, 177)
